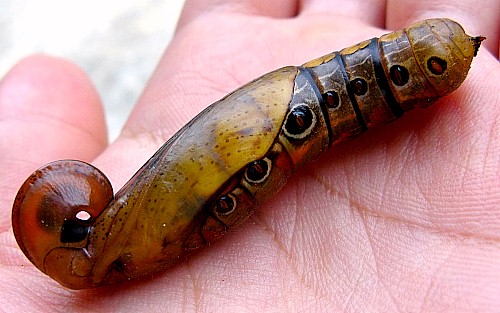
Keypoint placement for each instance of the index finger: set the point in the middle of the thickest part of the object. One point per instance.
(277, 9)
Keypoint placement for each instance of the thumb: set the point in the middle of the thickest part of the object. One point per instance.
(49, 110)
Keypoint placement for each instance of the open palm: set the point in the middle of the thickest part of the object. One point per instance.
(405, 218)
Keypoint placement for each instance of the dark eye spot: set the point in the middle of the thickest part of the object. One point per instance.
(399, 75)
(226, 205)
(118, 265)
(258, 171)
(299, 122)
(331, 99)
(436, 65)
(73, 231)
(359, 85)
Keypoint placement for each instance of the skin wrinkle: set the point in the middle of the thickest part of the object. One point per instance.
(464, 171)
(361, 214)
(284, 299)
(427, 298)
(391, 173)
(442, 266)
(414, 223)
(470, 164)
(488, 148)
(56, 122)
(330, 189)
(352, 293)
(226, 67)
(433, 283)
(294, 232)
(316, 291)
(185, 303)
(259, 221)
(293, 263)
(318, 287)
(414, 273)
(300, 276)
(229, 67)
(376, 267)
(265, 43)
(195, 288)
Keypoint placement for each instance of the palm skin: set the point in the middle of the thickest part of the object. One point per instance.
(405, 218)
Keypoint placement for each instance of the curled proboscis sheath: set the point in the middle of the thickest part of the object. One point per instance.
(53, 212)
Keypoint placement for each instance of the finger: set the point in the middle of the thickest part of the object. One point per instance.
(478, 19)
(371, 12)
(278, 9)
(48, 110)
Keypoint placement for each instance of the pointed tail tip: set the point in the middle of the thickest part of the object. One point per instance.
(477, 43)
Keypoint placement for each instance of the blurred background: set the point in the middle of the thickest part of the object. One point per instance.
(117, 42)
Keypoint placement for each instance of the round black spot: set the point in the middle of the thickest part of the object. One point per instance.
(299, 120)
(331, 99)
(436, 65)
(118, 266)
(73, 231)
(359, 85)
(399, 75)
(225, 205)
(257, 171)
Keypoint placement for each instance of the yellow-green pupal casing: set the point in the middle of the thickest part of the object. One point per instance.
(211, 175)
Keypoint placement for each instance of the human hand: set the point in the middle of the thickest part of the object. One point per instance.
(404, 218)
